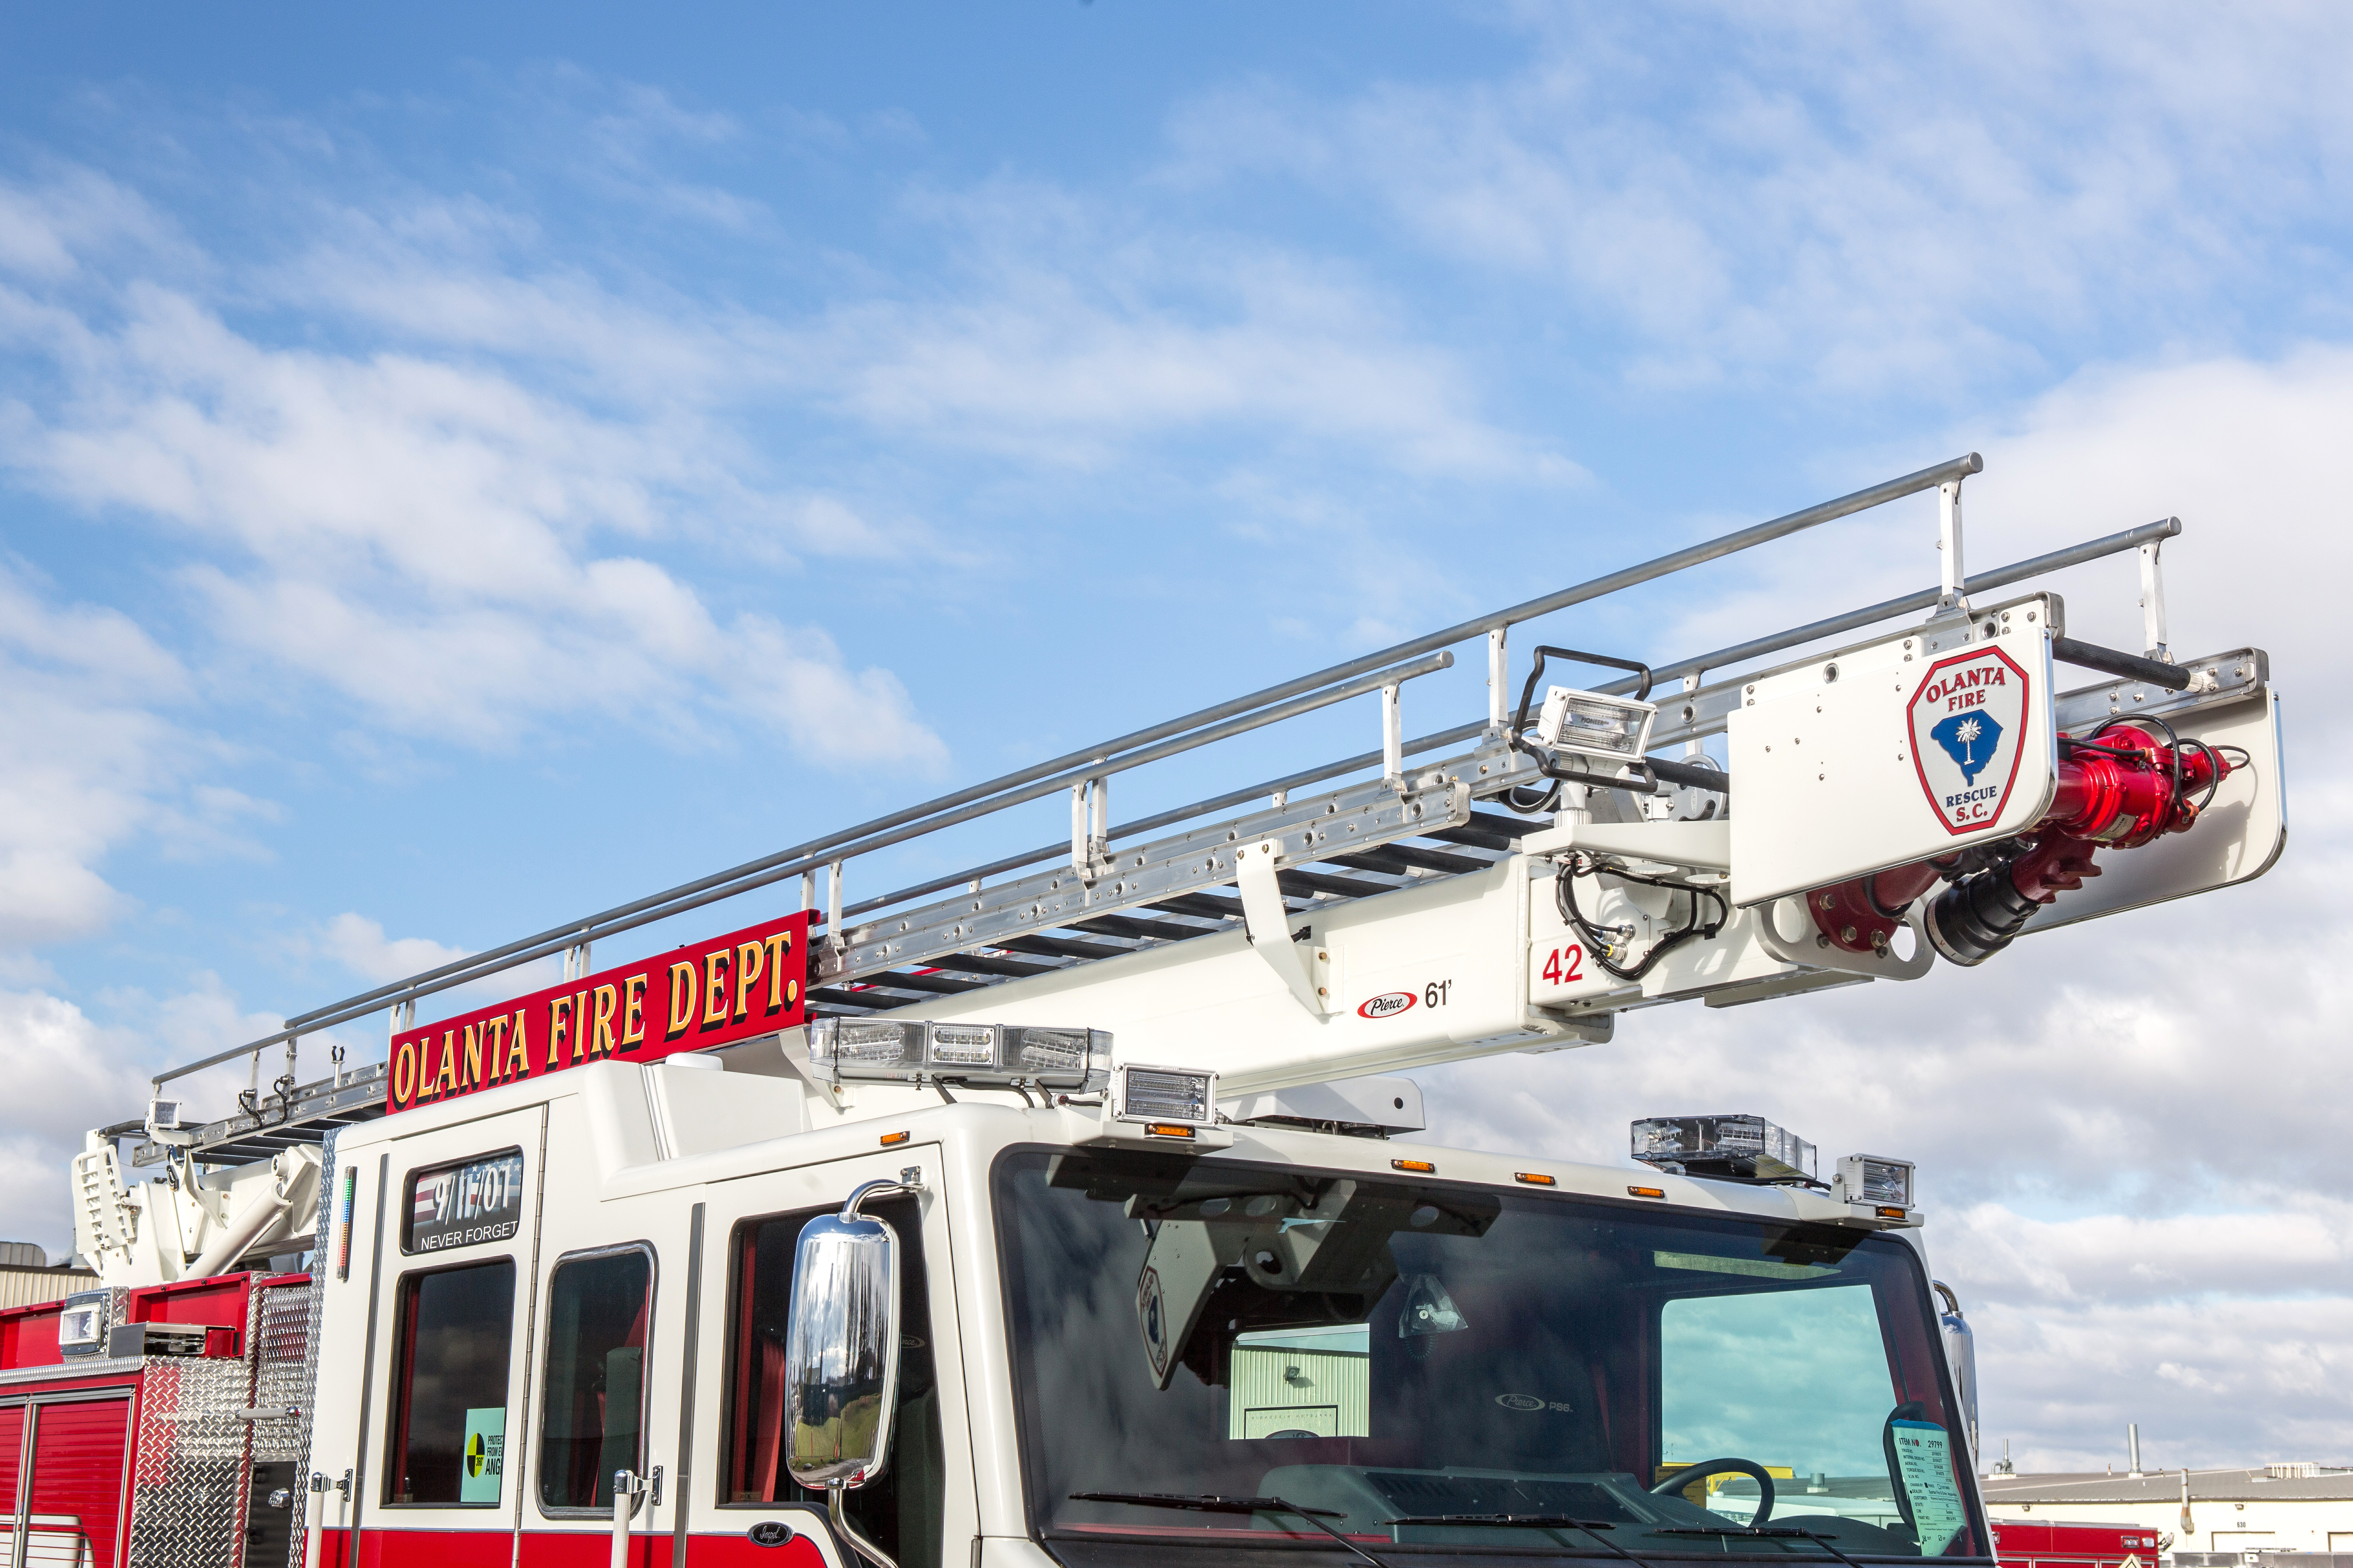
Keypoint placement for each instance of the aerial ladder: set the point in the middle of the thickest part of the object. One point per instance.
(1931, 791)
(1181, 1030)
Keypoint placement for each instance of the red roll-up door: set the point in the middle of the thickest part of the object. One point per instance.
(73, 1511)
(12, 1459)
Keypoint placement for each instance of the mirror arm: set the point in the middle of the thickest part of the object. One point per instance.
(911, 1181)
(841, 1525)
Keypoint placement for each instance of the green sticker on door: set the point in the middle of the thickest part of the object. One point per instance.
(1923, 1463)
(485, 1455)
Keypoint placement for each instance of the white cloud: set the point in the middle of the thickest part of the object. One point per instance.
(1088, 334)
(420, 537)
(1853, 196)
(359, 944)
(67, 1075)
(86, 762)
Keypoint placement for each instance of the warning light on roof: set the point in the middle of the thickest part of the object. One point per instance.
(1727, 1148)
(911, 1051)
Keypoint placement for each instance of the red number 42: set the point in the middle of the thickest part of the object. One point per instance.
(1566, 966)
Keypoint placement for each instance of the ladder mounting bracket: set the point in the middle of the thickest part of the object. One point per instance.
(1268, 918)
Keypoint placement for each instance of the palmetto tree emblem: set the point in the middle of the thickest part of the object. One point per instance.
(1961, 736)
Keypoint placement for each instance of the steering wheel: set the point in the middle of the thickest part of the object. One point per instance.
(1707, 1468)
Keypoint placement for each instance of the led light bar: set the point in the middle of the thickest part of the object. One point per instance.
(1728, 1147)
(890, 1050)
(1614, 729)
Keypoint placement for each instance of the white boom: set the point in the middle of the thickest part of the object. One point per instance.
(1928, 792)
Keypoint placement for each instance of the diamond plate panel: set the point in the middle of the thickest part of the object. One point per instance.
(281, 1373)
(314, 1303)
(187, 1508)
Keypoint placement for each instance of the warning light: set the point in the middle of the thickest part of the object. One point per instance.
(1534, 1178)
(1419, 1167)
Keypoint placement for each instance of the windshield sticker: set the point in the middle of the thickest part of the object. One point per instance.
(1756, 1267)
(1152, 1318)
(1530, 1403)
(1924, 1463)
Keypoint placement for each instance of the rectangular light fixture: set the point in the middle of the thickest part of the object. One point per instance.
(1146, 1106)
(1876, 1180)
(1614, 729)
(1180, 1096)
(893, 1051)
(83, 1321)
(1728, 1148)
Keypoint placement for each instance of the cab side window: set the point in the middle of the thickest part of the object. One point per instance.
(600, 1307)
(455, 1328)
(901, 1511)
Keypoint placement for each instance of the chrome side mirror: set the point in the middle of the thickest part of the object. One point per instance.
(1962, 1354)
(841, 1354)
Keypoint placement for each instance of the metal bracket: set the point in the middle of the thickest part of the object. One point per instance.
(1392, 739)
(1091, 830)
(2152, 601)
(1268, 920)
(1954, 595)
(1811, 950)
(1499, 693)
(833, 937)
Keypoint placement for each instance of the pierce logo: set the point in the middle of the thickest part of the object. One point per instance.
(1387, 1006)
(1969, 722)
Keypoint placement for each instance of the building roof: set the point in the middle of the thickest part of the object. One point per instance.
(2236, 1485)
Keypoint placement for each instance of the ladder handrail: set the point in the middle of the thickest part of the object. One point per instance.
(950, 808)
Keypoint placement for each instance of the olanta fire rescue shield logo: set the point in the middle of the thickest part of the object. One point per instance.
(1967, 722)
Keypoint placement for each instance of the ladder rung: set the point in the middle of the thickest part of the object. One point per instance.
(1397, 860)
(1059, 947)
(937, 985)
(981, 963)
(1200, 906)
(1129, 926)
(1299, 884)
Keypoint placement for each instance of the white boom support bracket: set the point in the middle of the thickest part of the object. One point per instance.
(2152, 602)
(1268, 920)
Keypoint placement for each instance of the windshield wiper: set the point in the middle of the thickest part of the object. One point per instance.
(1592, 1527)
(1784, 1531)
(1210, 1502)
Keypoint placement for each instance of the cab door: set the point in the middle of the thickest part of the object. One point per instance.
(447, 1355)
(739, 1508)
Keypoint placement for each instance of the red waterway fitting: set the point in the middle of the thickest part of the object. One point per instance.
(2119, 787)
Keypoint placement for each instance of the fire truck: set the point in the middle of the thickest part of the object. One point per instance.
(1062, 1209)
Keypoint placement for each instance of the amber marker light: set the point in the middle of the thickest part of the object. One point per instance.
(1534, 1178)
(1891, 1213)
(1646, 1192)
(891, 1138)
(1419, 1167)
(1168, 1130)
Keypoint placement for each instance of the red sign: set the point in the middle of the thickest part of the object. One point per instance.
(744, 985)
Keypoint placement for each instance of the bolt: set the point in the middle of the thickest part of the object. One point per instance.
(1826, 900)
(1846, 933)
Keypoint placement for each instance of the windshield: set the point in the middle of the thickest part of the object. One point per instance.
(1403, 1348)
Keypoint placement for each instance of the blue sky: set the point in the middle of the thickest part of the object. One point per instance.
(459, 471)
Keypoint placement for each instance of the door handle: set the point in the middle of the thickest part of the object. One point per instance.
(627, 1488)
